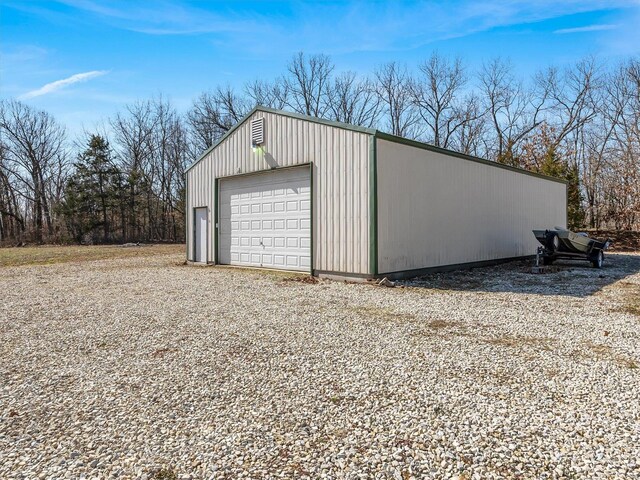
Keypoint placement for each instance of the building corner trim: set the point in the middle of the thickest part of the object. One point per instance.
(216, 209)
(373, 207)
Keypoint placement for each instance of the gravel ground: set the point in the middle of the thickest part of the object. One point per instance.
(147, 368)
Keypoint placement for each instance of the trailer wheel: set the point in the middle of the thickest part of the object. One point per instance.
(598, 260)
(553, 242)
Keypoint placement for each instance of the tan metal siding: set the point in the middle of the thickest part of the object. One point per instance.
(436, 210)
(200, 193)
(340, 175)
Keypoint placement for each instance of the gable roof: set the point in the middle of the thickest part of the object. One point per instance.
(375, 133)
(299, 116)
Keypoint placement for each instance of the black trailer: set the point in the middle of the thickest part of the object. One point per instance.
(562, 243)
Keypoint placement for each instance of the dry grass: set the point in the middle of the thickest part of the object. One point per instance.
(631, 294)
(442, 324)
(516, 341)
(46, 255)
(302, 278)
(605, 352)
(386, 314)
(164, 474)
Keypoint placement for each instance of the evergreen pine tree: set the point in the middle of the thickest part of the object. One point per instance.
(93, 193)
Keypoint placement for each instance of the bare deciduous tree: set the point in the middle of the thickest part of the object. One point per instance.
(353, 101)
(133, 134)
(571, 96)
(306, 84)
(513, 111)
(622, 173)
(439, 100)
(469, 136)
(214, 113)
(152, 152)
(169, 160)
(268, 94)
(393, 88)
(581, 123)
(34, 157)
(12, 224)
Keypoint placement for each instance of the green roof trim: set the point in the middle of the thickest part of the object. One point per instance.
(453, 153)
(376, 134)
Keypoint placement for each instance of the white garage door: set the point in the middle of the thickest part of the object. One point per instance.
(265, 220)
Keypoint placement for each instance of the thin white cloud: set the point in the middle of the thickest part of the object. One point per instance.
(588, 28)
(22, 53)
(58, 84)
(404, 29)
(165, 17)
(355, 25)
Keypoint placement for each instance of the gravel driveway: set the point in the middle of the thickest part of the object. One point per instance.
(148, 368)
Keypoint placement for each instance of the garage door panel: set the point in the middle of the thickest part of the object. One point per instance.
(265, 220)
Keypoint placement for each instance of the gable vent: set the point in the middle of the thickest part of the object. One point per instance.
(257, 132)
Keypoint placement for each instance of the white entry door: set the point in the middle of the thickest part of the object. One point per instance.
(265, 220)
(200, 219)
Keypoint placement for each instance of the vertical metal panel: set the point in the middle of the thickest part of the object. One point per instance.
(436, 209)
(340, 188)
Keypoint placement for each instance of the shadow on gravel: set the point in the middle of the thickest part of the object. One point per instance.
(569, 278)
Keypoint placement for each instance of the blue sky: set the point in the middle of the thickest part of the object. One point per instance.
(83, 60)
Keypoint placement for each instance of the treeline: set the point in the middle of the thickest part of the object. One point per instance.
(126, 183)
